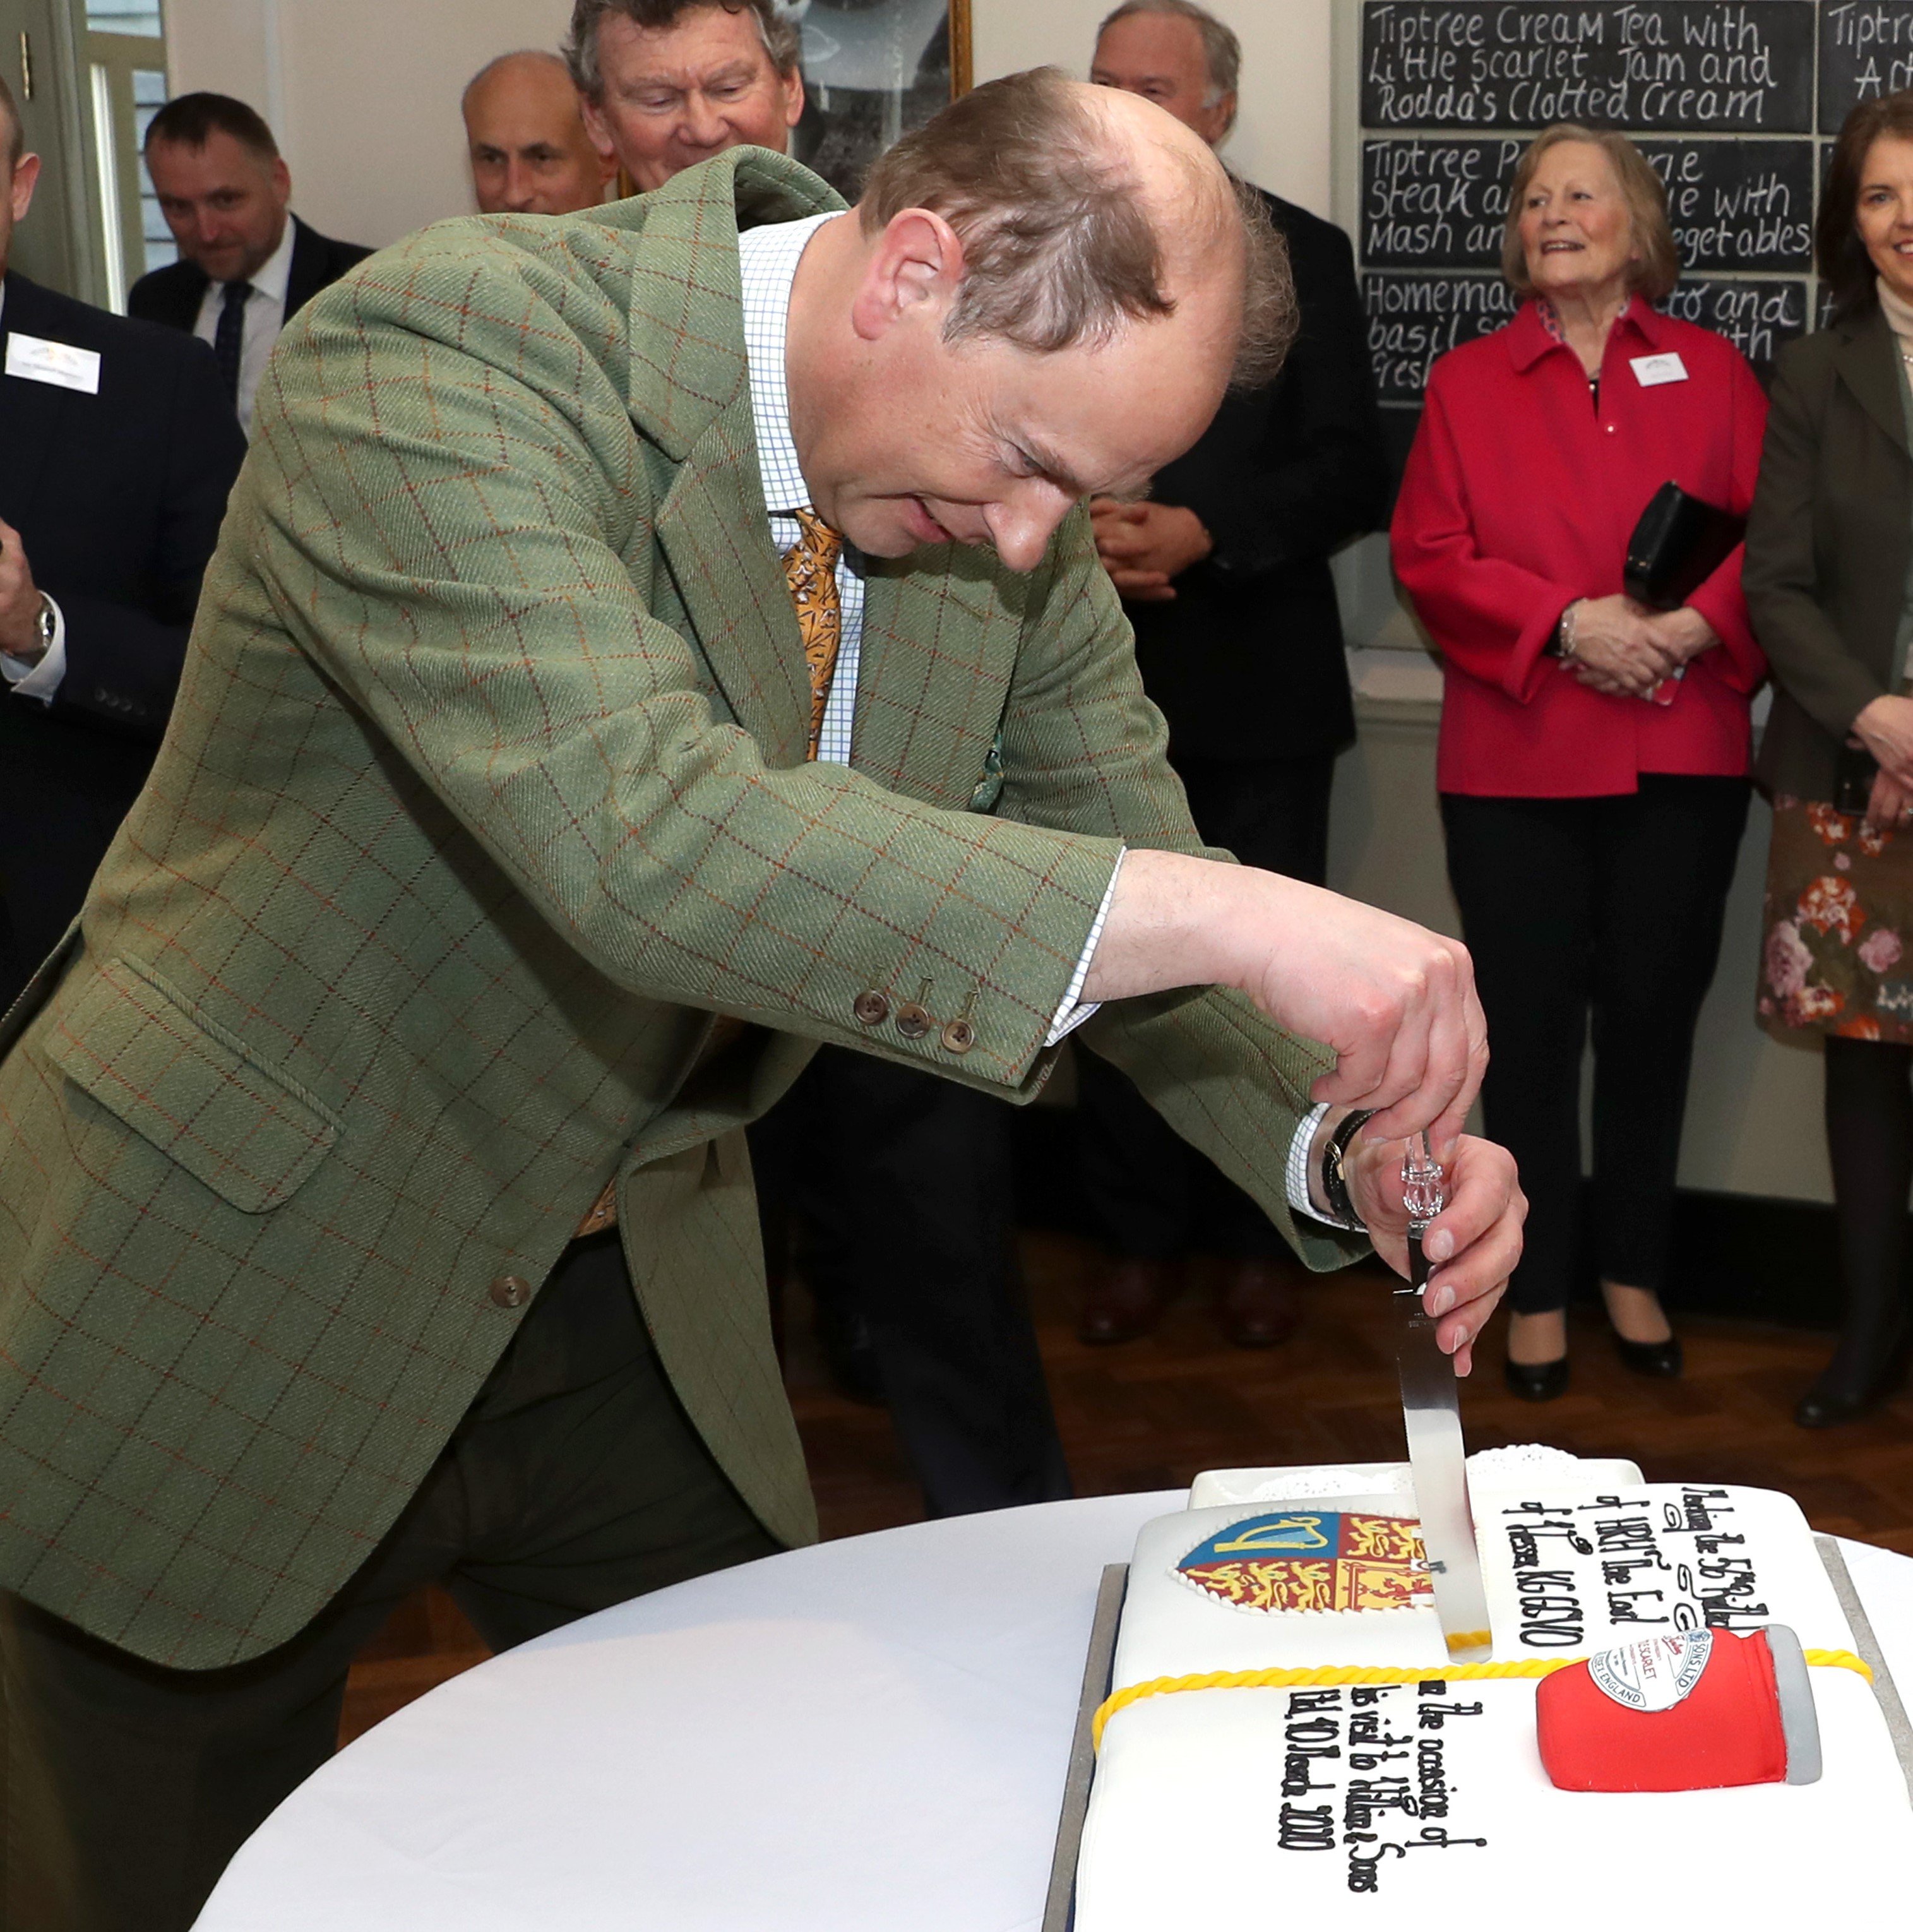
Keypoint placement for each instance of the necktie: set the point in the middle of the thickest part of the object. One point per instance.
(810, 568)
(229, 338)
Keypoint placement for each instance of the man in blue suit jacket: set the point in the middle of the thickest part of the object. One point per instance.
(117, 449)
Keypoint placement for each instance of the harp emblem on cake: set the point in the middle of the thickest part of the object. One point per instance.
(1312, 1560)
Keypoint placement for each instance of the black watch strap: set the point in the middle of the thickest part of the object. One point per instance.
(1335, 1178)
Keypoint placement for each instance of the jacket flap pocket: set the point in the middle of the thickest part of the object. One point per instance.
(189, 1087)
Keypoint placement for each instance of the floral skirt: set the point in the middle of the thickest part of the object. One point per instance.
(1838, 956)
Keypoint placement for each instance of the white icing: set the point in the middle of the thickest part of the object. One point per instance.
(1190, 1822)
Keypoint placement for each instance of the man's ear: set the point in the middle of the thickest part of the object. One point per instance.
(282, 179)
(916, 266)
(792, 85)
(26, 172)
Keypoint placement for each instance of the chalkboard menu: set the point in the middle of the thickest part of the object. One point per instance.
(1732, 101)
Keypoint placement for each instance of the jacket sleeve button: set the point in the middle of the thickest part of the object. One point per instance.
(913, 1020)
(959, 1037)
(511, 1290)
(872, 1008)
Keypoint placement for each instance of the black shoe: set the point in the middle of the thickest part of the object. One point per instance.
(1661, 1359)
(1840, 1395)
(1537, 1381)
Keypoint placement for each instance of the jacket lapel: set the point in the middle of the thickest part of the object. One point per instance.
(940, 640)
(1867, 363)
(715, 534)
(690, 392)
(31, 413)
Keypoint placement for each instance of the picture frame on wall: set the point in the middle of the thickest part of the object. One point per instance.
(874, 70)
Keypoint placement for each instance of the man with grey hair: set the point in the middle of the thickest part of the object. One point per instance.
(644, 645)
(1224, 573)
(668, 83)
(530, 151)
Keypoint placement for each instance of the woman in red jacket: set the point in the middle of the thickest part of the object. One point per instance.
(1592, 762)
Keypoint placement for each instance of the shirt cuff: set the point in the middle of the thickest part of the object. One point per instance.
(1069, 1015)
(1295, 1175)
(40, 680)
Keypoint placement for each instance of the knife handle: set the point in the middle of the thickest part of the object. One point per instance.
(1418, 1269)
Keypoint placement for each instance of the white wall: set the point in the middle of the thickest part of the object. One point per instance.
(363, 94)
(1281, 139)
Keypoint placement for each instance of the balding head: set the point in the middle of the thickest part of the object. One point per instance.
(1080, 210)
(1043, 295)
(531, 152)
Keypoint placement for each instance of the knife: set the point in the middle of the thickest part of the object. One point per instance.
(1431, 1415)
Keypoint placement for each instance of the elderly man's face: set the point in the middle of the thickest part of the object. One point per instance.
(225, 205)
(16, 181)
(531, 152)
(1160, 56)
(675, 97)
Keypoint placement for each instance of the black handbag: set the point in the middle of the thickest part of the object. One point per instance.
(1679, 543)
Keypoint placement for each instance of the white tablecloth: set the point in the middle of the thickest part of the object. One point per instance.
(860, 1737)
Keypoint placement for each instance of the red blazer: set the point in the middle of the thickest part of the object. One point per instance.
(1519, 498)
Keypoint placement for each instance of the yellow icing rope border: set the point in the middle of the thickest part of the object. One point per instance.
(1366, 1673)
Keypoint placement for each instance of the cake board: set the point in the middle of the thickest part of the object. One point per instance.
(1059, 1907)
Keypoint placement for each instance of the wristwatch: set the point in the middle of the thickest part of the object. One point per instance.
(46, 624)
(1335, 1177)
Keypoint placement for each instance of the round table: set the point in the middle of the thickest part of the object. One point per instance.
(866, 1734)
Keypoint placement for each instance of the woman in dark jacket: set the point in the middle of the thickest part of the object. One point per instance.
(1828, 545)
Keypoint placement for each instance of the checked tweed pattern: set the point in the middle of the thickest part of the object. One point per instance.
(485, 793)
(810, 568)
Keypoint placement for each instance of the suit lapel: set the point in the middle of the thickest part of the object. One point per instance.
(689, 393)
(940, 639)
(1868, 366)
(31, 414)
(715, 534)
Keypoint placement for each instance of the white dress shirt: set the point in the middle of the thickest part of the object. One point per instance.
(266, 317)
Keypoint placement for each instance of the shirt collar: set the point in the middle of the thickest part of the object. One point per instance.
(1533, 333)
(276, 271)
(767, 258)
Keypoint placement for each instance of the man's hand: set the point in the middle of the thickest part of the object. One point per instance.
(19, 600)
(1472, 1245)
(1145, 546)
(1889, 804)
(1395, 1003)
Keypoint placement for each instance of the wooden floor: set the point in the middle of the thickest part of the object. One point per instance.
(1148, 1414)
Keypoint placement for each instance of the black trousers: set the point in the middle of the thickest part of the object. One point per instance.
(1151, 1195)
(574, 1483)
(901, 1186)
(1606, 910)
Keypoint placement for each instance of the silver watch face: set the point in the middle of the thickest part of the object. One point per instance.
(46, 620)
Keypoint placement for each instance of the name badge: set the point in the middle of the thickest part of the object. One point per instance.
(36, 360)
(1650, 371)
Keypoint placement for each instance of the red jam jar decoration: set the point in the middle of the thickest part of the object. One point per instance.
(1689, 1711)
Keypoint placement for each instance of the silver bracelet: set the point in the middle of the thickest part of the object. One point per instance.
(1568, 630)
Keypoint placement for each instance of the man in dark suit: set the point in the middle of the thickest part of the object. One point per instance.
(116, 453)
(247, 263)
(1224, 573)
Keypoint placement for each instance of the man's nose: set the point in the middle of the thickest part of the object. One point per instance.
(518, 188)
(1021, 526)
(702, 126)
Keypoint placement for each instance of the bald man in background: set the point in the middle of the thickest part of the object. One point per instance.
(530, 150)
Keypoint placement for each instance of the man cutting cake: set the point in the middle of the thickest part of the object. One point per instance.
(643, 646)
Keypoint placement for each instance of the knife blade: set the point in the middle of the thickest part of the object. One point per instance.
(1431, 1417)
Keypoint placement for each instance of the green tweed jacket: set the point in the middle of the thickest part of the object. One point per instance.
(485, 793)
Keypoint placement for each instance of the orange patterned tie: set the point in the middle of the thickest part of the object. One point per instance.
(810, 568)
